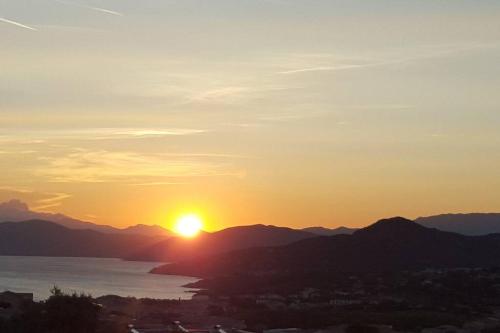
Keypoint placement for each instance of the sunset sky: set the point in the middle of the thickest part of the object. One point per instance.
(282, 112)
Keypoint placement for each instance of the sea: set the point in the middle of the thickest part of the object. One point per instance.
(94, 276)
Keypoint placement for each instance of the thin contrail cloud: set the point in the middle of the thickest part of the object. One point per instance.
(324, 68)
(107, 11)
(98, 9)
(17, 24)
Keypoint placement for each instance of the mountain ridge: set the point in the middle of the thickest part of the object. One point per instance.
(46, 238)
(229, 239)
(472, 224)
(387, 245)
(16, 210)
(323, 231)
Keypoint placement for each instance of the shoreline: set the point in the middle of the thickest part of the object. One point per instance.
(95, 276)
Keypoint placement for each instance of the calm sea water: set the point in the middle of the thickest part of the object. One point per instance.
(90, 275)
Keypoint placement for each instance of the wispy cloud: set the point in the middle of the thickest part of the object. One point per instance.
(159, 183)
(292, 116)
(107, 11)
(89, 166)
(91, 134)
(220, 94)
(98, 9)
(41, 200)
(394, 57)
(209, 155)
(236, 94)
(130, 133)
(17, 152)
(159, 132)
(16, 189)
(325, 68)
(380, 107)
(17, 24)
(55, 200)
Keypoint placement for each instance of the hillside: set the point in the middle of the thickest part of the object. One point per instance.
(468, 224)
(43, 238)
(387, 245)
(17, 211)
(229, 239)
(322, 231)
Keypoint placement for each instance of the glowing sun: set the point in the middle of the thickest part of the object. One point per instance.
(188, 225)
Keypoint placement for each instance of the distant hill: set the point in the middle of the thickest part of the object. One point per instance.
(44, 238)
(388, 245)
(468, 224)
(321, 231)
(16, 210)
(229, 239)
(146, 230)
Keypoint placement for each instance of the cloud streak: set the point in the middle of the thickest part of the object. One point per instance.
(91, 166)
(107, 11)
(159, 132)
(92, 134)
(17, 24)
(98, 9)
(54, 201)
(16, 189)
(47, 200)
(325, 68)
(426, 52)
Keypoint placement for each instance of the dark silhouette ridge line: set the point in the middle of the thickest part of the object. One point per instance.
(387, 245)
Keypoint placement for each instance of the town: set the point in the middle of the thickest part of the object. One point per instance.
(428, 301)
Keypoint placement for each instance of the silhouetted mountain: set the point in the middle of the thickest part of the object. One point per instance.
(390, 244)
(230, 239)
(44, 238)
(321, 231)
(468, 224)
(16, 211)
(146, 230)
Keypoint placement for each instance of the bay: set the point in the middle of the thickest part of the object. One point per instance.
(94, 276)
